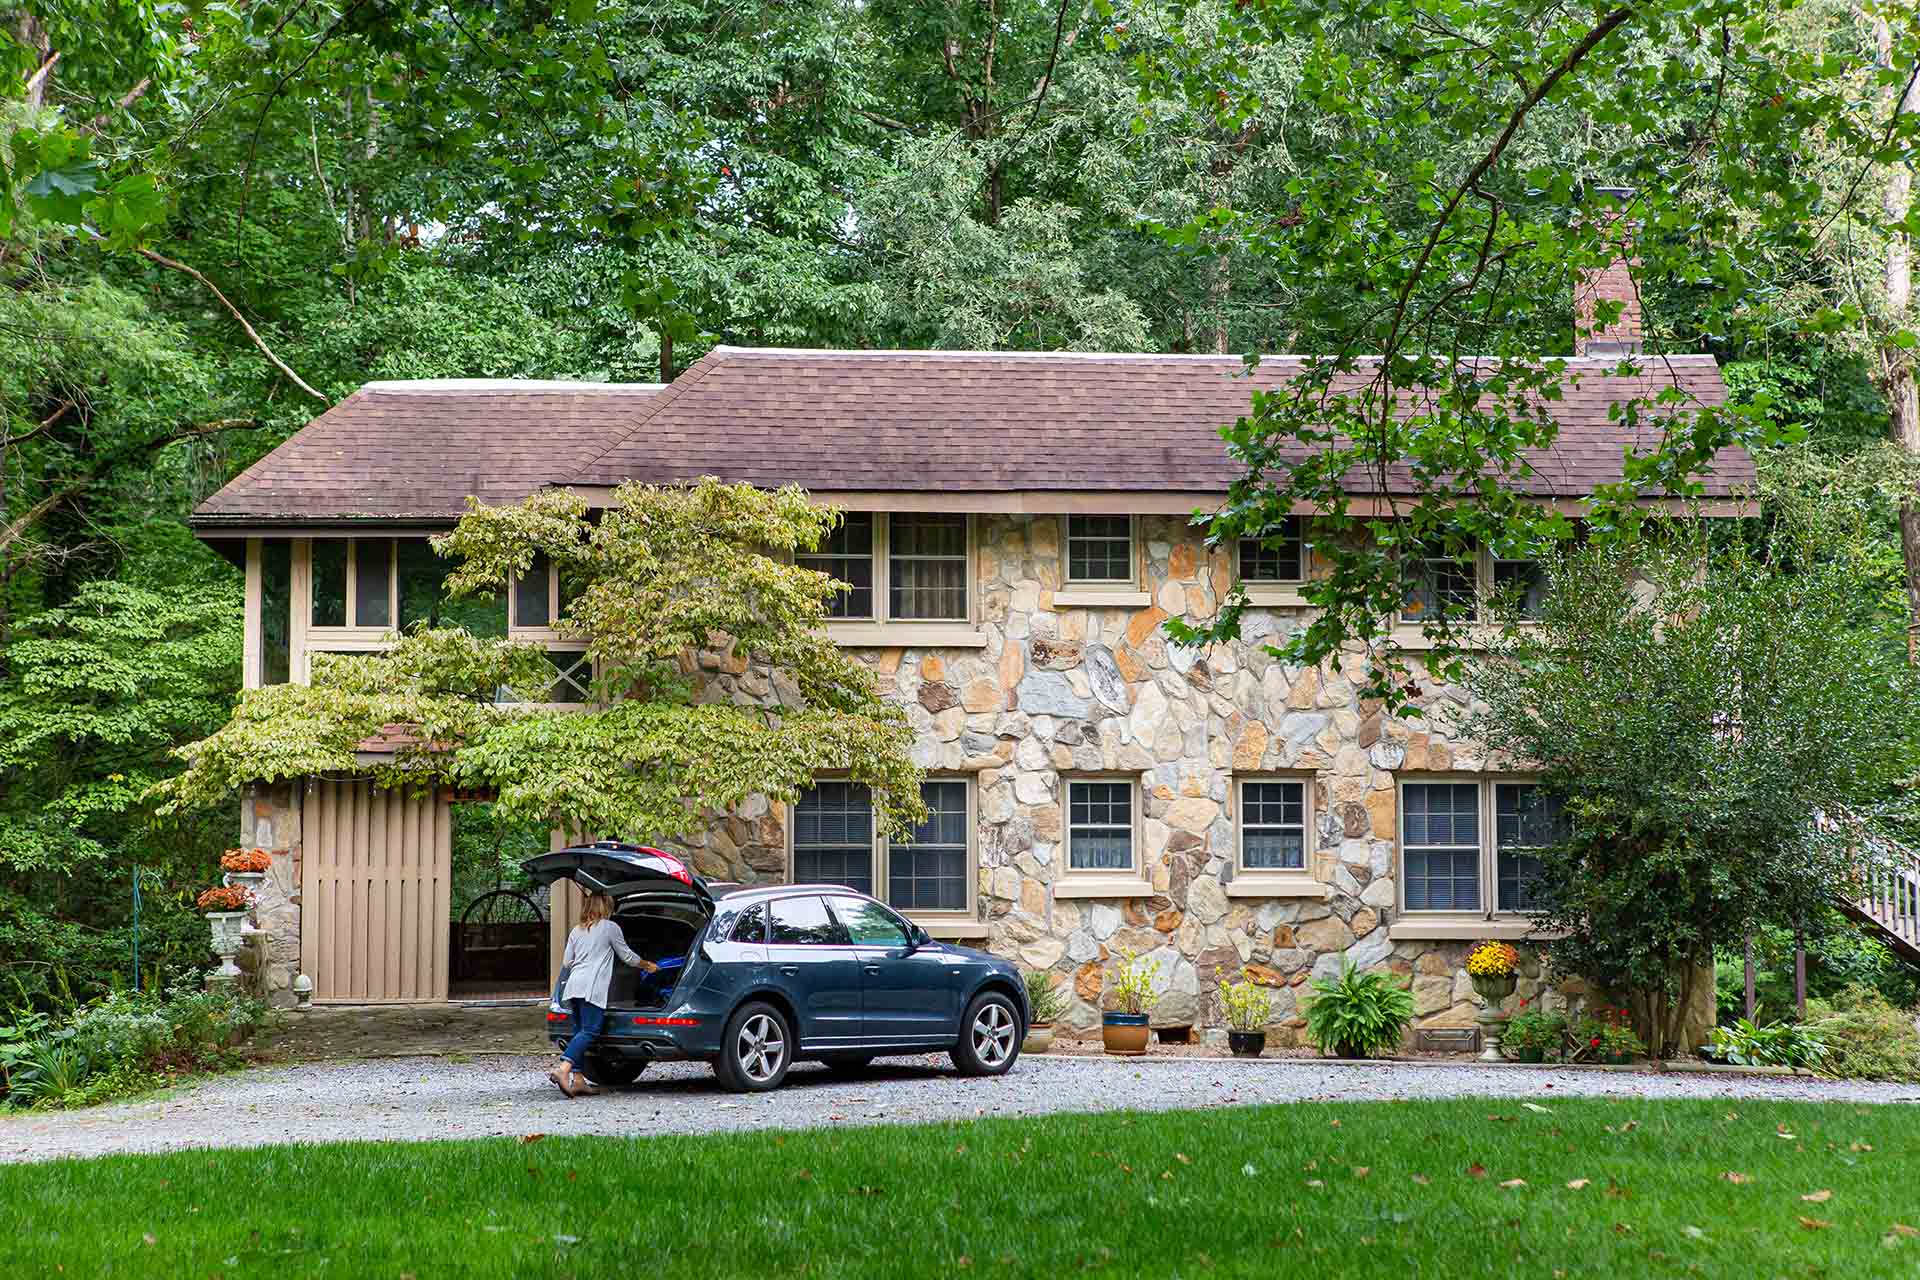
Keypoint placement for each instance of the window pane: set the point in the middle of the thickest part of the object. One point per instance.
(1279, 557)
(1521, 583)
(423, 595)
(927, 568)
(1100, 548)
(276, 602)
(833, 836)
(803, 922)
(530, 595)
(752, 925)
(1441, 813)
(1100, 826)
(1273, 826)
(847, 556)
(1443, 879)
(573, 676)
(329, 582)
(372, 582)
(868, 923)
(1440, 845)
(1525, 816)
(931, 873)
(1438, 587)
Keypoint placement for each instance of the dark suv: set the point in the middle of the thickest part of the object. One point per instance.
(753, 979)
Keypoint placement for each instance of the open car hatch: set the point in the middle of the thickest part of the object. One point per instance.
(622, 871)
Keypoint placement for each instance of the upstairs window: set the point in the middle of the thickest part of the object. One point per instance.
(927, 567)
(353, 583)
(1278, 556)
(1100, 550)
(847, 556)
(1467, 586)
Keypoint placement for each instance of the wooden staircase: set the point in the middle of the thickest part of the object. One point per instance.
(1889, 899)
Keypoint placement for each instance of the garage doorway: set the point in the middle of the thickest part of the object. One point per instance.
(499, 926)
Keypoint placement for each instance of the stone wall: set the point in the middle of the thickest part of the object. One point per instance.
(270, 820)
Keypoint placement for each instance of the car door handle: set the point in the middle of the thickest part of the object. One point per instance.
(874, 969)
(791, 970)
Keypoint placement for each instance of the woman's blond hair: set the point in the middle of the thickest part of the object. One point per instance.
(598, 907)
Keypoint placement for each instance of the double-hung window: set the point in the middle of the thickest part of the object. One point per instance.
(1273, 826)
(835, 841)
(1100, 825)
(898, 567)
(537, 602)
(1470, 847)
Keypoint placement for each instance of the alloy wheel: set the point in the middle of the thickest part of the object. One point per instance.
(762, 1048)
(993, 1034)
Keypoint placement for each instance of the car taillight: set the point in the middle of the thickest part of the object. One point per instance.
(666, 1022)
(556, 1017)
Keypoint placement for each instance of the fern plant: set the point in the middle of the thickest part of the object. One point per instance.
(1047, 1001)
(1357, 1014)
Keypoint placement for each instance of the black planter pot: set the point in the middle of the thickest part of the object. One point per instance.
(1247, 1044)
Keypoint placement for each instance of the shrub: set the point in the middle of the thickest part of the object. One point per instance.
(1247, 1004)
(1608, 1033)
(1866, 1037)
(1780, 1044)
(1535, 1029)
(1046, 1000)
(1358, 1014)
(1132, 988)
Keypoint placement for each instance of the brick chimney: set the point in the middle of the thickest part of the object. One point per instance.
(1612, 283)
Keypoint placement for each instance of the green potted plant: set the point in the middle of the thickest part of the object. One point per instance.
(1357, 1014)
(1534, 1034)
(1046, 1003)
(1130, 997)
(1248, 1008)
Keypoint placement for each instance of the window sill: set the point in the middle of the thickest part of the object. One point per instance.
(1249, 885)
(1101, 598)
(1276, 595)
(906, 635)
(1084, 886)
(1444, 928)
(952, 930)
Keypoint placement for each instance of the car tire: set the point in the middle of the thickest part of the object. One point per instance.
(989, 1036)
(848, 1064)
(618, 1072)
(756, 1049)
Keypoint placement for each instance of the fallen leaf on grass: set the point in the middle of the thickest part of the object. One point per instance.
(1249, 1170)
(1182, 1157)
(1615, 1190)
(1476, 1170)
(1333, 1124)
(1815, 1224)
(1693, 1233)
(1859, 1146)
(1578, 1184)
(1736, 1178)
(1511, 1183)
(1534, 1106)
(1361, 1171)
(1622, 1229)
(150, 1238)
(1902, 1229)
(566, 1239)
(1818, 1197)
(1422, 1180)
(531, 1137)
(1315, 1182)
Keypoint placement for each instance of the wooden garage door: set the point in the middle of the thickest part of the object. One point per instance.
(375, 874)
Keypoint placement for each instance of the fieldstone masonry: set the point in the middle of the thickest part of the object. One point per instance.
(1059, 691)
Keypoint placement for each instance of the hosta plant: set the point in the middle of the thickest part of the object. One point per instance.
(1780, 1044)
(1358, 1014)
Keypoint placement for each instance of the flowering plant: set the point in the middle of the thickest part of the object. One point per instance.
(225, 898)
(246, 860)
(1607, 1033)
(1492, 959)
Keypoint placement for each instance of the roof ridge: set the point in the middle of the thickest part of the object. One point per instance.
(507, 384)
(693, 374)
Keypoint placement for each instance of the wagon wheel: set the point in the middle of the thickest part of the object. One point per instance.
(498, 907)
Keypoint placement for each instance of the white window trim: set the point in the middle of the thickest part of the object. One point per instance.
(1270, 882)
(879, 631)
(940, 924)
(1489, 921)
(1100, 593)
(1101, 882)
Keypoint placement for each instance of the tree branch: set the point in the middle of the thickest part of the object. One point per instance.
(214, 289)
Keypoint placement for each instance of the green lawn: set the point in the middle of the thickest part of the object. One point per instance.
(1383, 1189)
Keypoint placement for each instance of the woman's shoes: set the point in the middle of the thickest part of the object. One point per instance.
(562, 1080)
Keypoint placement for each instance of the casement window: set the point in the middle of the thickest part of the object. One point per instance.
(1100, 825)
(1468, 586)
(835, 841)
(353, 583)
(1100, 551)
(1465, 847)
(1278, 557)
(1273, 825)
(901, 567)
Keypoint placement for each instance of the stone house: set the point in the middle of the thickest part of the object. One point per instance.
(1017, 529)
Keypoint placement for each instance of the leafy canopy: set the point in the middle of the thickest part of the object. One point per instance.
(669, 589)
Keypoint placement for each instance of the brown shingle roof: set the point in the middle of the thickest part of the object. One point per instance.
(842, 421)
(936, 421)
(415, 450)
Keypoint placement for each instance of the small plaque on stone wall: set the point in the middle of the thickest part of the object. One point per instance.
(1447, 1040)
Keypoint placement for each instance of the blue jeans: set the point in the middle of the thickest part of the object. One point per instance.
(588, 1018)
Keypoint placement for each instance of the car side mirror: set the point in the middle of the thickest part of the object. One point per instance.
(918, 939)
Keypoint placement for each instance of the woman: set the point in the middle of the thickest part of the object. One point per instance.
(588, 964)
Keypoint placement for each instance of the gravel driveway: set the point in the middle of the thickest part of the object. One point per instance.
(427, 1098)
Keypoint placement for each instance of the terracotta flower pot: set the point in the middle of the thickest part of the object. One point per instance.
(1124, 1034)
(1039, 1038)
(1247, 1044)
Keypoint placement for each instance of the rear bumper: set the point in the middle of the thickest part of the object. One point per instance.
(622, 1038)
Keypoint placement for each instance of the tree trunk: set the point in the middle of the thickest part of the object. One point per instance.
(666, 355)
(34, 38)
(1896, 366)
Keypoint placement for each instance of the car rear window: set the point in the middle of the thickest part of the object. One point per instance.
(752, 924)
(804, 922)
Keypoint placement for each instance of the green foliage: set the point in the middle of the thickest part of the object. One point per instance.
(488, 848)
(1840, 952)
(1866, 1037)
(1247, 1004)
(1047, 1000)
(1535, 1029)
(1357, 1015)
(1780, 1044)
(1693, 710)
(653, 582)
(1132, 987)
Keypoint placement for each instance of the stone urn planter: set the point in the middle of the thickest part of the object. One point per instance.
(246, 879)
(1494, 989)
(226, 928)
(1247, 1044)
(1124, 1034)
(1039, 1038)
